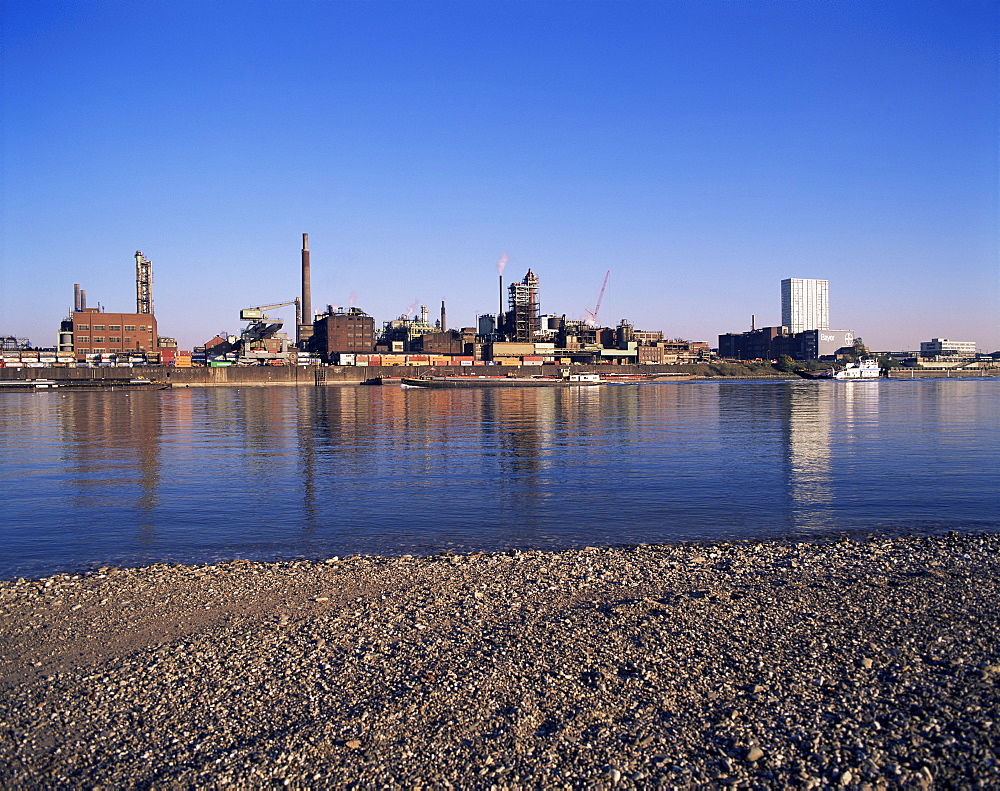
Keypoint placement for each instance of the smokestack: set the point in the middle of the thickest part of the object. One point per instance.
(83, 299)
(444, 320)
(753, 322)
(500, 312)
(76, 297)
(307, 315)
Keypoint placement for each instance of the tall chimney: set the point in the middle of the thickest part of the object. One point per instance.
(83, 299)
(444, 320)
(303, 322)
(76, 297)
(306, 282)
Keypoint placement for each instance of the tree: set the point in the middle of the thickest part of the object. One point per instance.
(785, 364)
(858, 351)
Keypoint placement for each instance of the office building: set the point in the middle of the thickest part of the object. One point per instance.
(942, 347)
(805, 304)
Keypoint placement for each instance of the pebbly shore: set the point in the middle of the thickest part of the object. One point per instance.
(851, 664)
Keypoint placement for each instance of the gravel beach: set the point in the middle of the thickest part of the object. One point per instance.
(856, 664)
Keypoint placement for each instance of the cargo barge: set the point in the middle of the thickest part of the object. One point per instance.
(463, 382)
(63, 385)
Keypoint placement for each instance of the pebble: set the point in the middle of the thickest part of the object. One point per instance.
(754, 754)
(651, 666)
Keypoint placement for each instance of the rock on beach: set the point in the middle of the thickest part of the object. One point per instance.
(846, 664)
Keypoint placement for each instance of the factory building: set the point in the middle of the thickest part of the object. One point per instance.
(769, 343)
(403, 334)
(342, 332)
(92, 331)
(817, 344)
(449, 342)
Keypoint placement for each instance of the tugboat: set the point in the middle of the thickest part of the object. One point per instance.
(864, 369)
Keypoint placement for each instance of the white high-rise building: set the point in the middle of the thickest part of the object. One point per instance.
(805, 304)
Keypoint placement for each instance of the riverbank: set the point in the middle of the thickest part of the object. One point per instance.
(311, 376)
(270, 375)
(870, 664)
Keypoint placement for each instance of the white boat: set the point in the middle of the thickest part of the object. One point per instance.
(865, 369)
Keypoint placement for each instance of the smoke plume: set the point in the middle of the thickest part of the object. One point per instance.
(501, 263)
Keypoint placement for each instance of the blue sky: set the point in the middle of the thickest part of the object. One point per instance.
(701, 151)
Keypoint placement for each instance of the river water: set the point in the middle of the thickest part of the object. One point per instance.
(199, 475)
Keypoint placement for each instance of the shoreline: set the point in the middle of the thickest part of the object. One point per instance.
(332, 376)
(859, 663)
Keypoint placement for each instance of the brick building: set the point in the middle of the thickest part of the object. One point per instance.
(350, 332)
(95, 332)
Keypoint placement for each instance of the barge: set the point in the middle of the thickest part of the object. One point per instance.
(64, 385)
(463, 382)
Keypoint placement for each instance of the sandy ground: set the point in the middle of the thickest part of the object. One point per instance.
(865, 664)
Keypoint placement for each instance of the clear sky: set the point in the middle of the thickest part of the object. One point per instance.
(701, 150)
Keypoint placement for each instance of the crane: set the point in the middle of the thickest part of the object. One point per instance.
(257, 313)
(591, 319)
(258, 329)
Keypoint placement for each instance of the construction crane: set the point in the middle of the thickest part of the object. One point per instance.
(591, 319)
(261, 327)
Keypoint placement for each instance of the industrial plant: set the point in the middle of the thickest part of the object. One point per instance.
(518, 333)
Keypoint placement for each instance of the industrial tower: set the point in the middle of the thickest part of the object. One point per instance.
(143, 284)
(524, 313)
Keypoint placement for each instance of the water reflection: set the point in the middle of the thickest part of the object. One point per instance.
(810, 414)
(110, 454)
(270, 472)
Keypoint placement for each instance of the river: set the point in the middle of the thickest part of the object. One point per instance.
(205, 474)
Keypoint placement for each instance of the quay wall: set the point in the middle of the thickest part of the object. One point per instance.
(268, 375)
(942, 373)
(353, 375)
